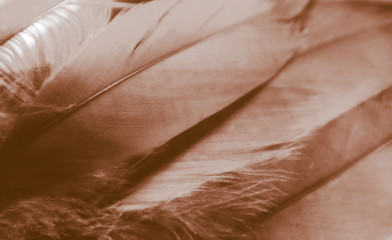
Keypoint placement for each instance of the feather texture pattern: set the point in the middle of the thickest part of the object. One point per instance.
(183, 119)
(57, 124)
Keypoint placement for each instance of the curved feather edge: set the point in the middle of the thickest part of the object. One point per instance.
(34, 55)
(47, 43)
(11, 21)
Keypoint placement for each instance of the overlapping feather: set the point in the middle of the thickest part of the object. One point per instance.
(66, 124)
(227, 205)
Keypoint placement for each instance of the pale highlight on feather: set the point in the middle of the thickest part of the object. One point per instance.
(34, 55)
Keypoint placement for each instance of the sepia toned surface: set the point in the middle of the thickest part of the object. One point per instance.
(255, 119)
(354, 205)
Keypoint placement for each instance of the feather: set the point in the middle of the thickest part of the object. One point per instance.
(65, 124)
(327, 150)
(300, 100)
(219, 177)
